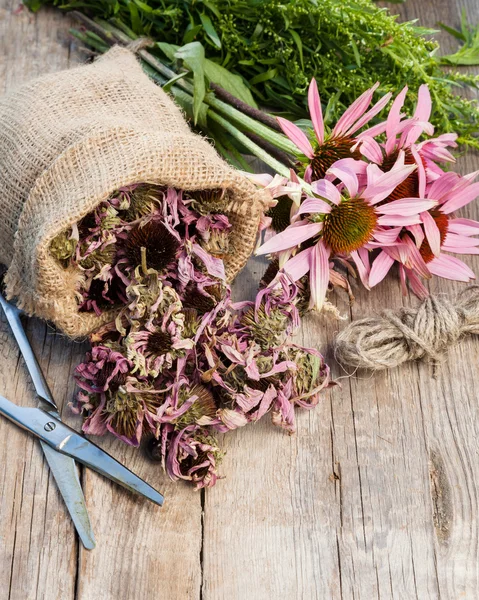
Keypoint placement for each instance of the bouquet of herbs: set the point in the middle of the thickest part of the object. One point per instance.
(265, 52)
(181, 362)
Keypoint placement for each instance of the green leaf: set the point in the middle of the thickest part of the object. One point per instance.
(210, 30)
(33, 5)
(168, 49)
(167, 86)
(135, 18)
(357, 57)
(451, 31)
(191, 33)
(214, 9)
(234, 84)
(468, 53)
(266, 76)
(299, 44)
(144, 7)
(193, 56)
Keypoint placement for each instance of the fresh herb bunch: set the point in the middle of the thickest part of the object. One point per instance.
(278, 46)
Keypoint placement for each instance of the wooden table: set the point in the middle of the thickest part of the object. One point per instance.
(376, 496)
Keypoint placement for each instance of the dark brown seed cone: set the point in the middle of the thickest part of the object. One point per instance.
(207, 201)
(105, 373)
(409, 188)
(269, 274)
(280, 214)
(442, 222)
(331, 151)
(160, 245)
(193, 298)
(158, 343)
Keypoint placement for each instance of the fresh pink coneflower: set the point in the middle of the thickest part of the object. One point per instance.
(346, 220)
(425, 247)
(402, 133)
(326, 149)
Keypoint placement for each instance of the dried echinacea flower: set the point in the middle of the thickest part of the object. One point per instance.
(191, 454)
(63, 247)
(267, 329)
(143, 200)
(160, 245)
(207, 202)
(201, 411)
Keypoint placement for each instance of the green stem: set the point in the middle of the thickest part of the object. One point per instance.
(249, 145)
(277, 139)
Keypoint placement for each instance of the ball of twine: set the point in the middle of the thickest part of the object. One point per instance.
(393, 338)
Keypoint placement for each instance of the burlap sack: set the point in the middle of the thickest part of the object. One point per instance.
(68, 140)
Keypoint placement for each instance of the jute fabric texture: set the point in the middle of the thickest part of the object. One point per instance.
(67, 141)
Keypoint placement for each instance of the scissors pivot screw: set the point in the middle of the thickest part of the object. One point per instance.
(50, 426)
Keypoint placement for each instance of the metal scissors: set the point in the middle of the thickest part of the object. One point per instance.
(61, 444)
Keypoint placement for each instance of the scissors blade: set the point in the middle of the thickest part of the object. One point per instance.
(62, 467)
(12, 314)
(66, 440)
(66, 477)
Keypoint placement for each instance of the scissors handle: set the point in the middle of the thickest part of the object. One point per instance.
(66, 440)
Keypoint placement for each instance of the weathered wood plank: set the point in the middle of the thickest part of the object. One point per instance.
(376, 495)
(157, 551)
(38, 549)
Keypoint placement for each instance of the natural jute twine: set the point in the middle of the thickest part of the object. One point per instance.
(393, 338)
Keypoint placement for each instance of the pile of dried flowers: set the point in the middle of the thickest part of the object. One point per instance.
(181, 362)
(377, 198)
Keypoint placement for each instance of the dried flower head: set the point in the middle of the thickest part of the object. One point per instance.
(160, 245)
(143, 200)
(207, 202)
(63, 247)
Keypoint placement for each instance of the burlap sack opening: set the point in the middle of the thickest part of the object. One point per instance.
(70, 139)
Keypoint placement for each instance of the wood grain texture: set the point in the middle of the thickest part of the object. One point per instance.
(376, 496)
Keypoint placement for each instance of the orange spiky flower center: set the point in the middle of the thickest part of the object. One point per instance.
(442, 222)
(409, 188)
(349, 225)
(331, 150)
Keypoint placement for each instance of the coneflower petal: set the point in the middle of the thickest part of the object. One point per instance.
(315, 110)
(314, 205)
(380, 268)
(347, 175)
(372, 112)
(416, 284)
(381, 186)
(326, 189)
(442, 186)
(454, 240)
(464, 226)
(296, 136)
(292, 236)
(460, 198)
(396, 220)
(319, 275)
(371, 150)
(361, 260)
(394, 119)
(432, 232)
(354, 112)
(406, 206)
(414, 260)
(451, 267)
(299, 265)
